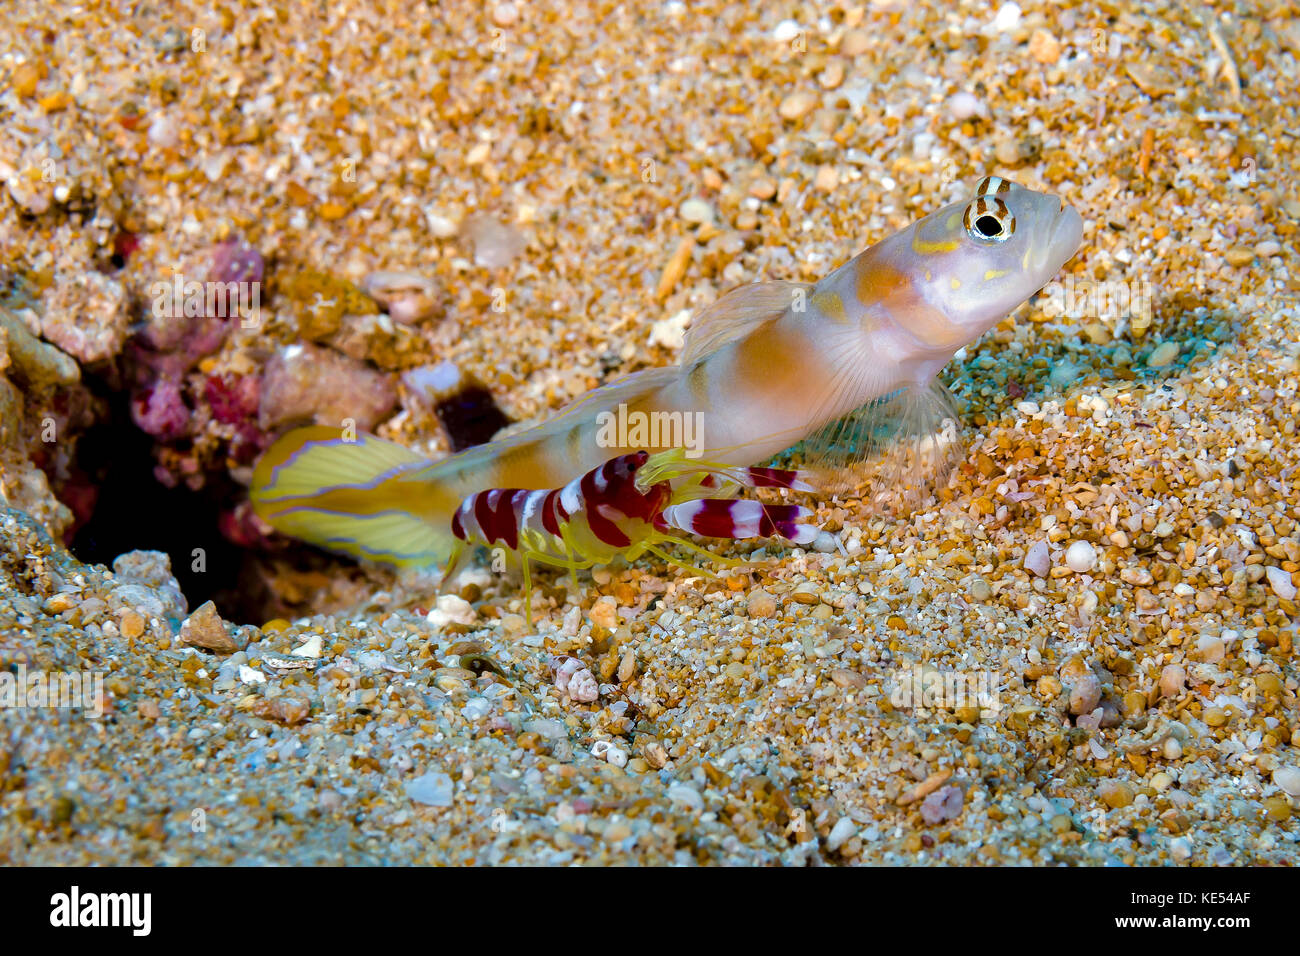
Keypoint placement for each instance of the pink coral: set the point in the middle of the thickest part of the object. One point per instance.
(191, 317)
(233, 398)
(235, 260)
(160, 410)
(249, 442)
(192, 314)
(241, 526)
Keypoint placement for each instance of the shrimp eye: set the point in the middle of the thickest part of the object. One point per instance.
(987, 219)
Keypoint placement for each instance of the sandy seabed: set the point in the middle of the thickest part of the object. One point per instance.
(567, 183)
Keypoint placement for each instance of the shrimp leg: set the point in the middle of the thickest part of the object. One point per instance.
(665, 556)
(542, 558)
(528, 589)
(717, 558)
(458, 552)
(567, 538)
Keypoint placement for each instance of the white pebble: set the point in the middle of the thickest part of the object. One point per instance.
(1038, 560)
(696, 211)
(1209, 648)
(505, 14)
(1180, 848)
(604, 750)
(825, 543)
(1280, 582)
(1008, 18)
(1288, 778)
(963, 106)
(162, 132)
(1081, 557)
(1162, 355)
(786, 31)
(687, 796)
(433, 789)
(671, 332)
(310, 648)
(1172, 679)
(922, 143)
(1085, 694)
(841, 833)
(450, 609)
(441, 226)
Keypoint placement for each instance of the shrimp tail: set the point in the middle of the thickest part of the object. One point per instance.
(741, 518)
(360, 496)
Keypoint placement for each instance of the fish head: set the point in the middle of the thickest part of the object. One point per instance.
(975, 261)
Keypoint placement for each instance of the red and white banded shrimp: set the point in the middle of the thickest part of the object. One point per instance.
(628, 507)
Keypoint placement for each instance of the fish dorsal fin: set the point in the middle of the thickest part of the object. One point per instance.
(736, 314)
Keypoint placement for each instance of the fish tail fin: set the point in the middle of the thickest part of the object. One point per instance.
(361, 496)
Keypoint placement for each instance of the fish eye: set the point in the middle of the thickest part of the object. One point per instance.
(987, 219)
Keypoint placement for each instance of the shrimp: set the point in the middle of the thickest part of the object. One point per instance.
(628, 506)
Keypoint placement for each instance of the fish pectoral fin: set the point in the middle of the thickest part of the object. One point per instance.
(736, 314)
(892, 451)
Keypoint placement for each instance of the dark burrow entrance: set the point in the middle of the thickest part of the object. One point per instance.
(134, 511)
(129, 509)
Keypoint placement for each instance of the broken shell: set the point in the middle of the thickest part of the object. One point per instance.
(604, 750)
(479, 663)
(655, 754)
(310, 648)
(290, 662)
(407, 297)
(1288, 778)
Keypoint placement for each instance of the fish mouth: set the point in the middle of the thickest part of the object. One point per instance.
(1067, 233)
